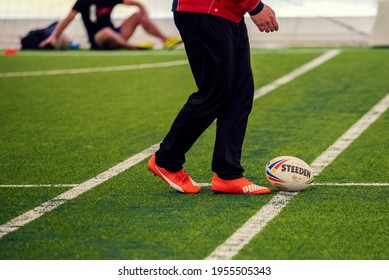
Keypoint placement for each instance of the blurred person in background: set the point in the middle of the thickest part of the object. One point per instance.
(102, 34)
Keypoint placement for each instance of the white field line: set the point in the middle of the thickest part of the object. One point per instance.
(352, 184)
(329, 184)
(176, 52)
(39, 186)
(46, 207)
(127, 67)
(255, 224)
(349, 136)
(202, 185)
(51, 204)
(93, 69)
(296, 73)
(289, 51)
(242, 236)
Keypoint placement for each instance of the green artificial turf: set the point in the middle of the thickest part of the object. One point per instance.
(66, 129)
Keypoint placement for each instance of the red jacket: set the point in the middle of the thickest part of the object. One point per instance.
(230, 9)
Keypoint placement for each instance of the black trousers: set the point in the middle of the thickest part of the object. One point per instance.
(219, 56)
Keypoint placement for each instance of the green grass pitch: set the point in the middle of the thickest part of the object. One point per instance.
(68, 128)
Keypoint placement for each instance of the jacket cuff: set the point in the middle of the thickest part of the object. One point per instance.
(257, 9)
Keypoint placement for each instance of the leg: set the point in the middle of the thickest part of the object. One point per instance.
(128, 27)
(109, 38)
(231, 125)
(218, 53)
(208, 43)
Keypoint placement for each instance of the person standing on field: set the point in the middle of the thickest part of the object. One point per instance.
(217, 46)
(102, 34)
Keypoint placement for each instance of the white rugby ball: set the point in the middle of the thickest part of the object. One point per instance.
(289, 173)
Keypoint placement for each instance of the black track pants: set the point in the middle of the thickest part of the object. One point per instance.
(219, 56)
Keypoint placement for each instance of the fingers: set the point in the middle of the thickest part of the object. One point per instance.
(275, 24)
(42, 44)
(266, 20)
(47, 41)
(268, 27)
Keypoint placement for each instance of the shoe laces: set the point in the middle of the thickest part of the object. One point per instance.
(182, 176)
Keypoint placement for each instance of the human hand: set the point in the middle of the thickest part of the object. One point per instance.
(49, 40)
(265, 20)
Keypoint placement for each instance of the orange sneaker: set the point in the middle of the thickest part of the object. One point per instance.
(180, 181)
(237, 186)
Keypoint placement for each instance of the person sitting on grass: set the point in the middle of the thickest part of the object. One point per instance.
(102, 34)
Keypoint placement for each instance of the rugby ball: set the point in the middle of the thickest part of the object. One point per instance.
(289, 173)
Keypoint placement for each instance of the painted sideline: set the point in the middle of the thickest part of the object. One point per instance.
(349, 136)
(328, 184)
(296, 73)
(156, 52)
(94, 69)
(201, 184)
(40, 186)
(51, 204)
(255, 224)
(353, 184)
(46, 207)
